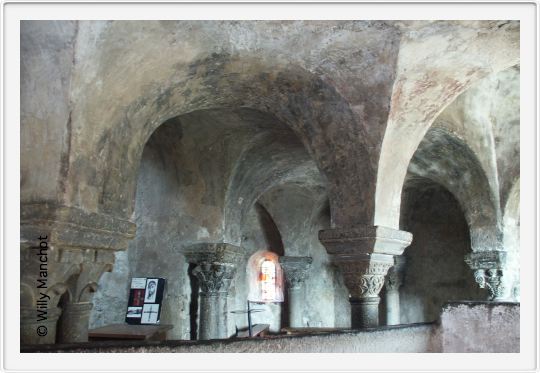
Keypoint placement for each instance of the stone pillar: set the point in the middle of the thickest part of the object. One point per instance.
(216, 267)
(296, 270)
(73, 324)
(67, 249)
(364, 254)
(488, 267)
(393, 282)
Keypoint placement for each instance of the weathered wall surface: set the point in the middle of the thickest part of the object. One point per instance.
(153, 71)
(480, 327)
(413, 338)
(194, 171)
(427, 80)
(182, 126)
(462, 327)
(435, 270)
(47, 50)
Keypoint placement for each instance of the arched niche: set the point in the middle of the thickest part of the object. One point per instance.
(435, 271)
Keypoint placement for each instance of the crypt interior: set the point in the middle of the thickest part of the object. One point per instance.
(354, 183)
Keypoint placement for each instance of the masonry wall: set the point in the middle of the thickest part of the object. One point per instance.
(480, 327)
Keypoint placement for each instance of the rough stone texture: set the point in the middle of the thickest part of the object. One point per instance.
(111, 298)
(463, 327)
(411, 338)
(480, 327)
(429, 77)
(259, 134)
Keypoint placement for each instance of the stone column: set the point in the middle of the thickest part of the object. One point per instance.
(364, 255)
(216, 267)
(81, 288)
(73, 325)
(393, 282)
(45, 270)
(296, 270)
(488, 267)
(68, 249)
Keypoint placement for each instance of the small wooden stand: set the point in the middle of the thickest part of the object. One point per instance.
(130, 332)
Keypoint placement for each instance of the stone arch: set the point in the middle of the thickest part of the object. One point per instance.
(447, 160)
(313, 109)
(433, 267)
(421, 93)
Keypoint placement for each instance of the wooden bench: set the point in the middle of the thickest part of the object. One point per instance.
(295, 331)
(129, 332)
(257, 330)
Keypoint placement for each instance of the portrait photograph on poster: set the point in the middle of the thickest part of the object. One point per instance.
(151, 290)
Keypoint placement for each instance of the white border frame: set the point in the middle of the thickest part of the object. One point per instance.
(12, 12)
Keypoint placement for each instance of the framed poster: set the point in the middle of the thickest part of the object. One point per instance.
(145, 298)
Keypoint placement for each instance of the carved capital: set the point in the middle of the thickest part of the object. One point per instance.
(364, 254)
(364, 274)
(60, 270)
(216, 265)
(394, 278)
(214, 278)
(488, 271)
(296, 269)
(95, 263)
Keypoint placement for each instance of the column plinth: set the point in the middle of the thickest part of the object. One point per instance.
(296, 271)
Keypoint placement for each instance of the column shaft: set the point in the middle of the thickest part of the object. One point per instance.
(295, 304)
(216, 267)
(213, 316)
(392, 307)
(393, 282)
(365, 312)
(73, 324)
(296, 271)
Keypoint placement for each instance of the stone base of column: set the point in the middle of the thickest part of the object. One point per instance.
(73, 325)
(38, 332)
(364, 312)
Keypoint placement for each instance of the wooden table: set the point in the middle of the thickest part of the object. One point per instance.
(126, 331)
